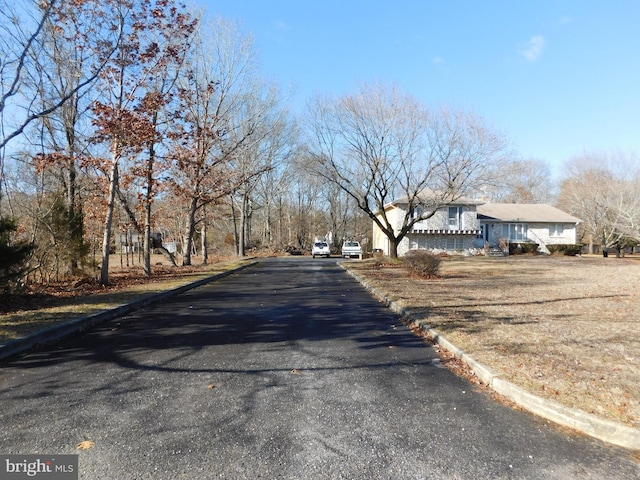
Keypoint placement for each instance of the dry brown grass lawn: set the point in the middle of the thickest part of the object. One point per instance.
(564, 328)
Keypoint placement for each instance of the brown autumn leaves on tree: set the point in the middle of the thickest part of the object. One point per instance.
(154, 37)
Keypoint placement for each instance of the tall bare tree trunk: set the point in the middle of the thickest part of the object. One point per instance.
(146, 243)
(187, 245)
(113, 186)
(203, 238)
(266, 236)
(236, 241)
(243, 226)
(393, 249)
(71, 209)
(203, 243)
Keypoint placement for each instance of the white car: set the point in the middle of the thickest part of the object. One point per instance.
(320, 249)
(351, 249)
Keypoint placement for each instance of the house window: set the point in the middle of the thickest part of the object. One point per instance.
(556, 230)
(418, 242)
(455, 218)
(455, 243)
(515, 232)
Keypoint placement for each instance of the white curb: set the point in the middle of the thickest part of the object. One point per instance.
(606, 430)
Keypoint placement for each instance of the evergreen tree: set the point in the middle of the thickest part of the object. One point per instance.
(13, 255)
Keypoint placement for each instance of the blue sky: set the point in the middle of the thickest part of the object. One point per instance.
(557, 77)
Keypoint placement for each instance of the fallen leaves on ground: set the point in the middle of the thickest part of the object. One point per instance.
(85, 445)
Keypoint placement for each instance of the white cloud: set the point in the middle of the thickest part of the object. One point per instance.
(437, 60)
(533, 48)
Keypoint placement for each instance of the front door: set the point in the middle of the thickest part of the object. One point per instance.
(482, 237)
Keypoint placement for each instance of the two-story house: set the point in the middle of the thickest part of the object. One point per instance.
(466, 226)
(453, 228)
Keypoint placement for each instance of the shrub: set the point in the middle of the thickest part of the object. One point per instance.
(422, 263)
(531, 248)
(565, 249)
(522, 248)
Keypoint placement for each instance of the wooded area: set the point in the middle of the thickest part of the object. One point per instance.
(134, 126)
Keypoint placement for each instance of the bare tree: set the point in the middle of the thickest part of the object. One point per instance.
(521, 181)
(24, 28)
(221, 117)
(268, 140)
(601, 189)
(271, 189)
(301, 212)
(59, 65)
(631, 212)
(379, 145)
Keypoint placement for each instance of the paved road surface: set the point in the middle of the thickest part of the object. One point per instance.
(286, 370)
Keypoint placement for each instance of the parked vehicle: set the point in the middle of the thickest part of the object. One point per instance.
(320, 249)
(351, 249)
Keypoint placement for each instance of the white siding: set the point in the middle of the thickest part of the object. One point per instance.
(417, 239)
(537, 233)
(440, 220)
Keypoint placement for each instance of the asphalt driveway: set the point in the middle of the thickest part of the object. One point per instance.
(288, 369)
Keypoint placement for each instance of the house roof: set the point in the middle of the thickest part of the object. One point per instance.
(525, 212)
